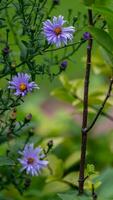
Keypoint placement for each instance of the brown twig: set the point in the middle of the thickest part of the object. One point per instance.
(85, 109)
(85, 130)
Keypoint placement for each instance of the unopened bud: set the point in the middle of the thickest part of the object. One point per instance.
(50, 143)
(63, 65)
(13, 114)
(13, 64)
(86, 36)
(28, 118)
(56, 2)
(5, 51)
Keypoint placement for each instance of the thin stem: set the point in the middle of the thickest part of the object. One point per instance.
(6, 6)
(94, 195)
(85, 109)
(108, 116)
(69, 45)
(45, 51)
(49, 12)
(102, 106)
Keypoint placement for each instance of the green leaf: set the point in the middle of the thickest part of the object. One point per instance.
(72, 178)
(72, 160)
(108, 15)
(108, 59)
(65, 82)
(55, 186)
(88, 2)
(23, 51)
(56, 166)
(73, 196)
(105, 191)
(76, 85)
(104, 3)
(62, 93)
(90, 169)
(102, 38)
(105, 8)
(54, 198)
(5, 161)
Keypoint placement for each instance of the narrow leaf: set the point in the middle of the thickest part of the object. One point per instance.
(102, 38)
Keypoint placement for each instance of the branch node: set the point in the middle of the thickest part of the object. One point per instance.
(84, 130)
(81, 180)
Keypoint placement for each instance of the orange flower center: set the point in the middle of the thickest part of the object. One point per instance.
(57, 30)
(22, 87)
(30, 160)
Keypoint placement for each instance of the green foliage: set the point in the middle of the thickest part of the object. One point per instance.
(88, 2)
(105, 8)
(105, 191)
(98, 3)
(104, 3)
(72, 92)
(56, 167)
(6, 161)
(57, 120)
(72, 159)
(90, 169)
(72, 196)
(103, 38)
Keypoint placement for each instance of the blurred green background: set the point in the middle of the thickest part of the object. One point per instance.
(57, 116)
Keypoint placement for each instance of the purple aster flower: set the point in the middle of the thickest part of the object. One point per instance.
(31, 160)
(86, 36)
(56, 33)
(21, 84)
(63, 65)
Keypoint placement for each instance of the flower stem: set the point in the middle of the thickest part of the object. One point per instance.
(85, 109)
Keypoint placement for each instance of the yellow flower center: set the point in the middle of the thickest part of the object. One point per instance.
(58, 30)
(30, 160)
(22, 87)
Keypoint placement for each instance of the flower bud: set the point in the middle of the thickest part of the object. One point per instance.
(56, 2)
(28, 118)
(86, 36)
(5, 51)
(63, 65)
(13, 64)
(50, 144)
(13, 114)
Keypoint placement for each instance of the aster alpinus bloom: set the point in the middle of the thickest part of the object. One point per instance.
(55, 33)
(21, 84)
(32, 160)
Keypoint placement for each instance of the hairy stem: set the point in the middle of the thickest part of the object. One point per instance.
(85, 109)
